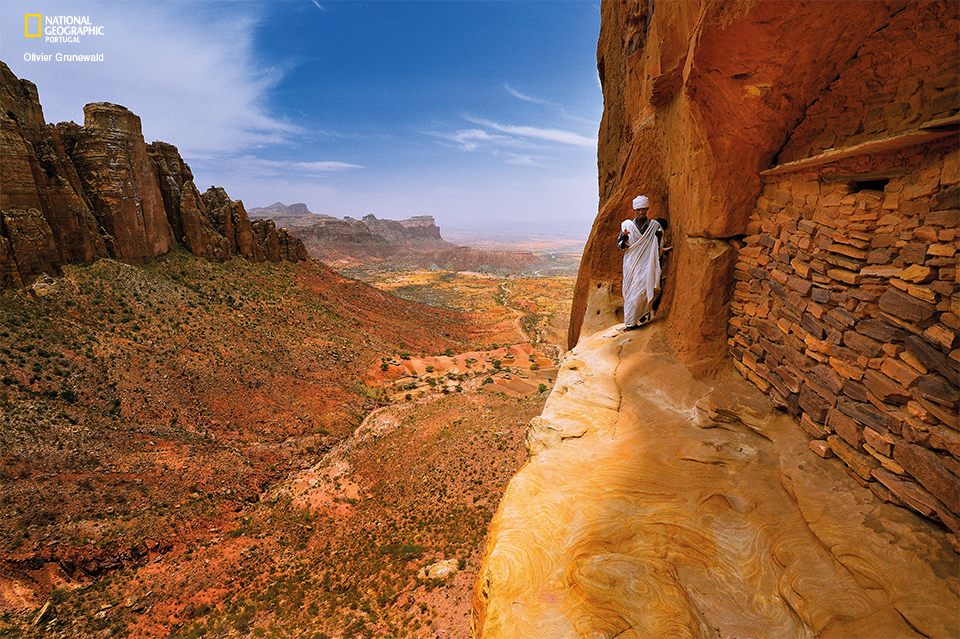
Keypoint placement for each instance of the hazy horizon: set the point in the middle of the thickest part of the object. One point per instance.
(481, 114)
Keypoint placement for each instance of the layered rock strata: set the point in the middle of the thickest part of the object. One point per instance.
(330, 238)
(657, 505)
(72, 194)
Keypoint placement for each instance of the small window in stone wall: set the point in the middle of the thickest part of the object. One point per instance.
(868, 185)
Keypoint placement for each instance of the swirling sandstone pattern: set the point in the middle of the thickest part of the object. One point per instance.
(655, 505)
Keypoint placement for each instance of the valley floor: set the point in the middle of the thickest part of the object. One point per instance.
(183, 452)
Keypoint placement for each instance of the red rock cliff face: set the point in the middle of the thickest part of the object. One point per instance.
(46, 219)
(806, 154)
(74, 194)
(699, 97)
(111, 158)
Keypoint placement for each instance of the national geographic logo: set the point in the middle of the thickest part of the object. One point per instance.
(59, 28)
(29, 26)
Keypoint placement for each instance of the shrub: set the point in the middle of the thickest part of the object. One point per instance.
(402, 551)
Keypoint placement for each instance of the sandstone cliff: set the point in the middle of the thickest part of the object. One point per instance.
(806, 156)
(812, 188)
(72, 194)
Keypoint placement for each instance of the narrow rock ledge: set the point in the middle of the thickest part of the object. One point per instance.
(656, 505)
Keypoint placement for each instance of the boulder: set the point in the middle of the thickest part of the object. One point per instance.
(441, 570)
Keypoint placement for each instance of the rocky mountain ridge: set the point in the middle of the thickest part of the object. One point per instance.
(73, 194)
(414, 242)
(280, 210)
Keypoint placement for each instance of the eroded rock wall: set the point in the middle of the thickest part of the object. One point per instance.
(699, 97)
(45, 217)
(806, 156)
(72, 194)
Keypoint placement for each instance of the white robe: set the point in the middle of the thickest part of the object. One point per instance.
(641, 270)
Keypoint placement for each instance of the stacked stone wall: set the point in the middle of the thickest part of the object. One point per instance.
(846, 313)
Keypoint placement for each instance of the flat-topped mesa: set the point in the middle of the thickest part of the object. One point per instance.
(419, 220)
(72, 194)
(418, 229)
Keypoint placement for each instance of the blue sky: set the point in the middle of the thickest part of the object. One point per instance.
(482, 114)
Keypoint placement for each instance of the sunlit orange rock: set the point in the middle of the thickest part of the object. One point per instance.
(698, 98)
(658, 505)
(667, 495)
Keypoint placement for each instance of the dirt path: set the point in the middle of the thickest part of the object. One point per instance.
(537, 340)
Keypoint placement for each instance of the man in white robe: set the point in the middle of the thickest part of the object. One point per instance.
(641, 240)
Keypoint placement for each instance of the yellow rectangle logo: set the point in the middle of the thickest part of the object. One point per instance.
(26, 25)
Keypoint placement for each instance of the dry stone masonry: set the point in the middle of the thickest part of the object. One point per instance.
(846, 309)
(845, 312)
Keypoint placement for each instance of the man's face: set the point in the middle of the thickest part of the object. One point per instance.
(641, 214)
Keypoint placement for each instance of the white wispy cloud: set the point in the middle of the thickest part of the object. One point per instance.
(470, 139)
(523, 160)
(536, 133)
(514, 145)
(191, 74)
(531, 99)
(561, 109)
(253, 165)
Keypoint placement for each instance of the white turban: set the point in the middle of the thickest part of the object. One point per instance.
(640, 202)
